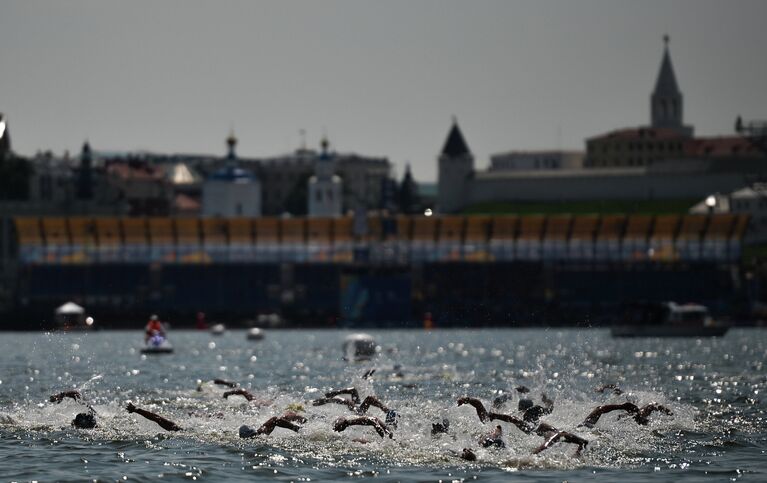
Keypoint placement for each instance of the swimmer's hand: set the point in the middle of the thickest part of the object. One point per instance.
(57, 398)
(130, 407)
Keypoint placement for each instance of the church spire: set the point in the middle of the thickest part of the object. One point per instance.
(455, 145)
(666, 106)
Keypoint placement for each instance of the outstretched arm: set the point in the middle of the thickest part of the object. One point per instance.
(239, 392)
(642, 417)
(334, 400)
(222, 382)
(274, 422)
(293, 417)
(165, 424)
(375, 423)
(372, 401)
(74, 394)
(597, 413)
(567, 438)
(349, 390)
(521, 425)
(476, 404)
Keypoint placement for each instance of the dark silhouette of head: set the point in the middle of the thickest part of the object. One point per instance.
(84, 421)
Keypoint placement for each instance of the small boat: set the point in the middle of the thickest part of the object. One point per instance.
(359, 347)
(255, 334)
(71, 316)
(218, 329)
(669, 320)
(157, 344)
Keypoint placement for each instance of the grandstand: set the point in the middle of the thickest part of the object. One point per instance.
(504, 270)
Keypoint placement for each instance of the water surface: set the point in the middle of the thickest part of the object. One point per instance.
(715, 388)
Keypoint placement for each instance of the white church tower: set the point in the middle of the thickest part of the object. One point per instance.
(666, 102)
(456, 164)
(325, 195)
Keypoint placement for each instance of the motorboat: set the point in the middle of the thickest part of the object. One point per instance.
(359, 347)
(669, 319)
(218, 329)
(255, 334)
(157, 344)
(71, 316)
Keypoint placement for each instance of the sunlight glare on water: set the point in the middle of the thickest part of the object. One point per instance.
(713, 386)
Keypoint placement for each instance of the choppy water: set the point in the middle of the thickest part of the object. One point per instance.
(715, 388)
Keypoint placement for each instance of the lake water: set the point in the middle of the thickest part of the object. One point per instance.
(715, 388)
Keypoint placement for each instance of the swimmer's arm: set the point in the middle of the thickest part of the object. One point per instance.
(597, 413)
(222, 382)
(351, 391)
(274, 422)
(563, 436)
(476, 404)
(523, 426)
(641, 417)
(165, 424)
(368, 373)
(372, 401)
(74, 394)
(291, 416)
(376, 424)
(239, 392)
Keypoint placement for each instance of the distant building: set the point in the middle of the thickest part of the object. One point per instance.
(142, 185)
(750, 200)
(536, 160)
(659, 161)
(325, 187)
(632, 147)
(231, 191)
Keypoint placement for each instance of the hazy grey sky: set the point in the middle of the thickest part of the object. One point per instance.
(381, 77)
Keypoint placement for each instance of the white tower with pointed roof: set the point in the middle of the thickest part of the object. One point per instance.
(456, 164)
(666, 102)
(325, 187)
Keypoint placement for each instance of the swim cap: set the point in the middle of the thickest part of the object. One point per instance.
(525, 404)
(391, 418)
(84, 421)
(247, 431)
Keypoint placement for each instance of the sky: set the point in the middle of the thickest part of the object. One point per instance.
(380, 78)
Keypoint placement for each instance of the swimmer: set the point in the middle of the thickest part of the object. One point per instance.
(640, 415)
(165, 424)
(553, 436)
(74, 395)
(613, 387)
(526, 425)
(82, 420)
(333, 397)
(240, 392)
(531, 414)
(286, 421)
(440, 428)
(85, 420)
(381, 428)
(468, 455)
(247, 395)
(493, 438)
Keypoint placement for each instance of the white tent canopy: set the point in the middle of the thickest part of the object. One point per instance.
(70, 308)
